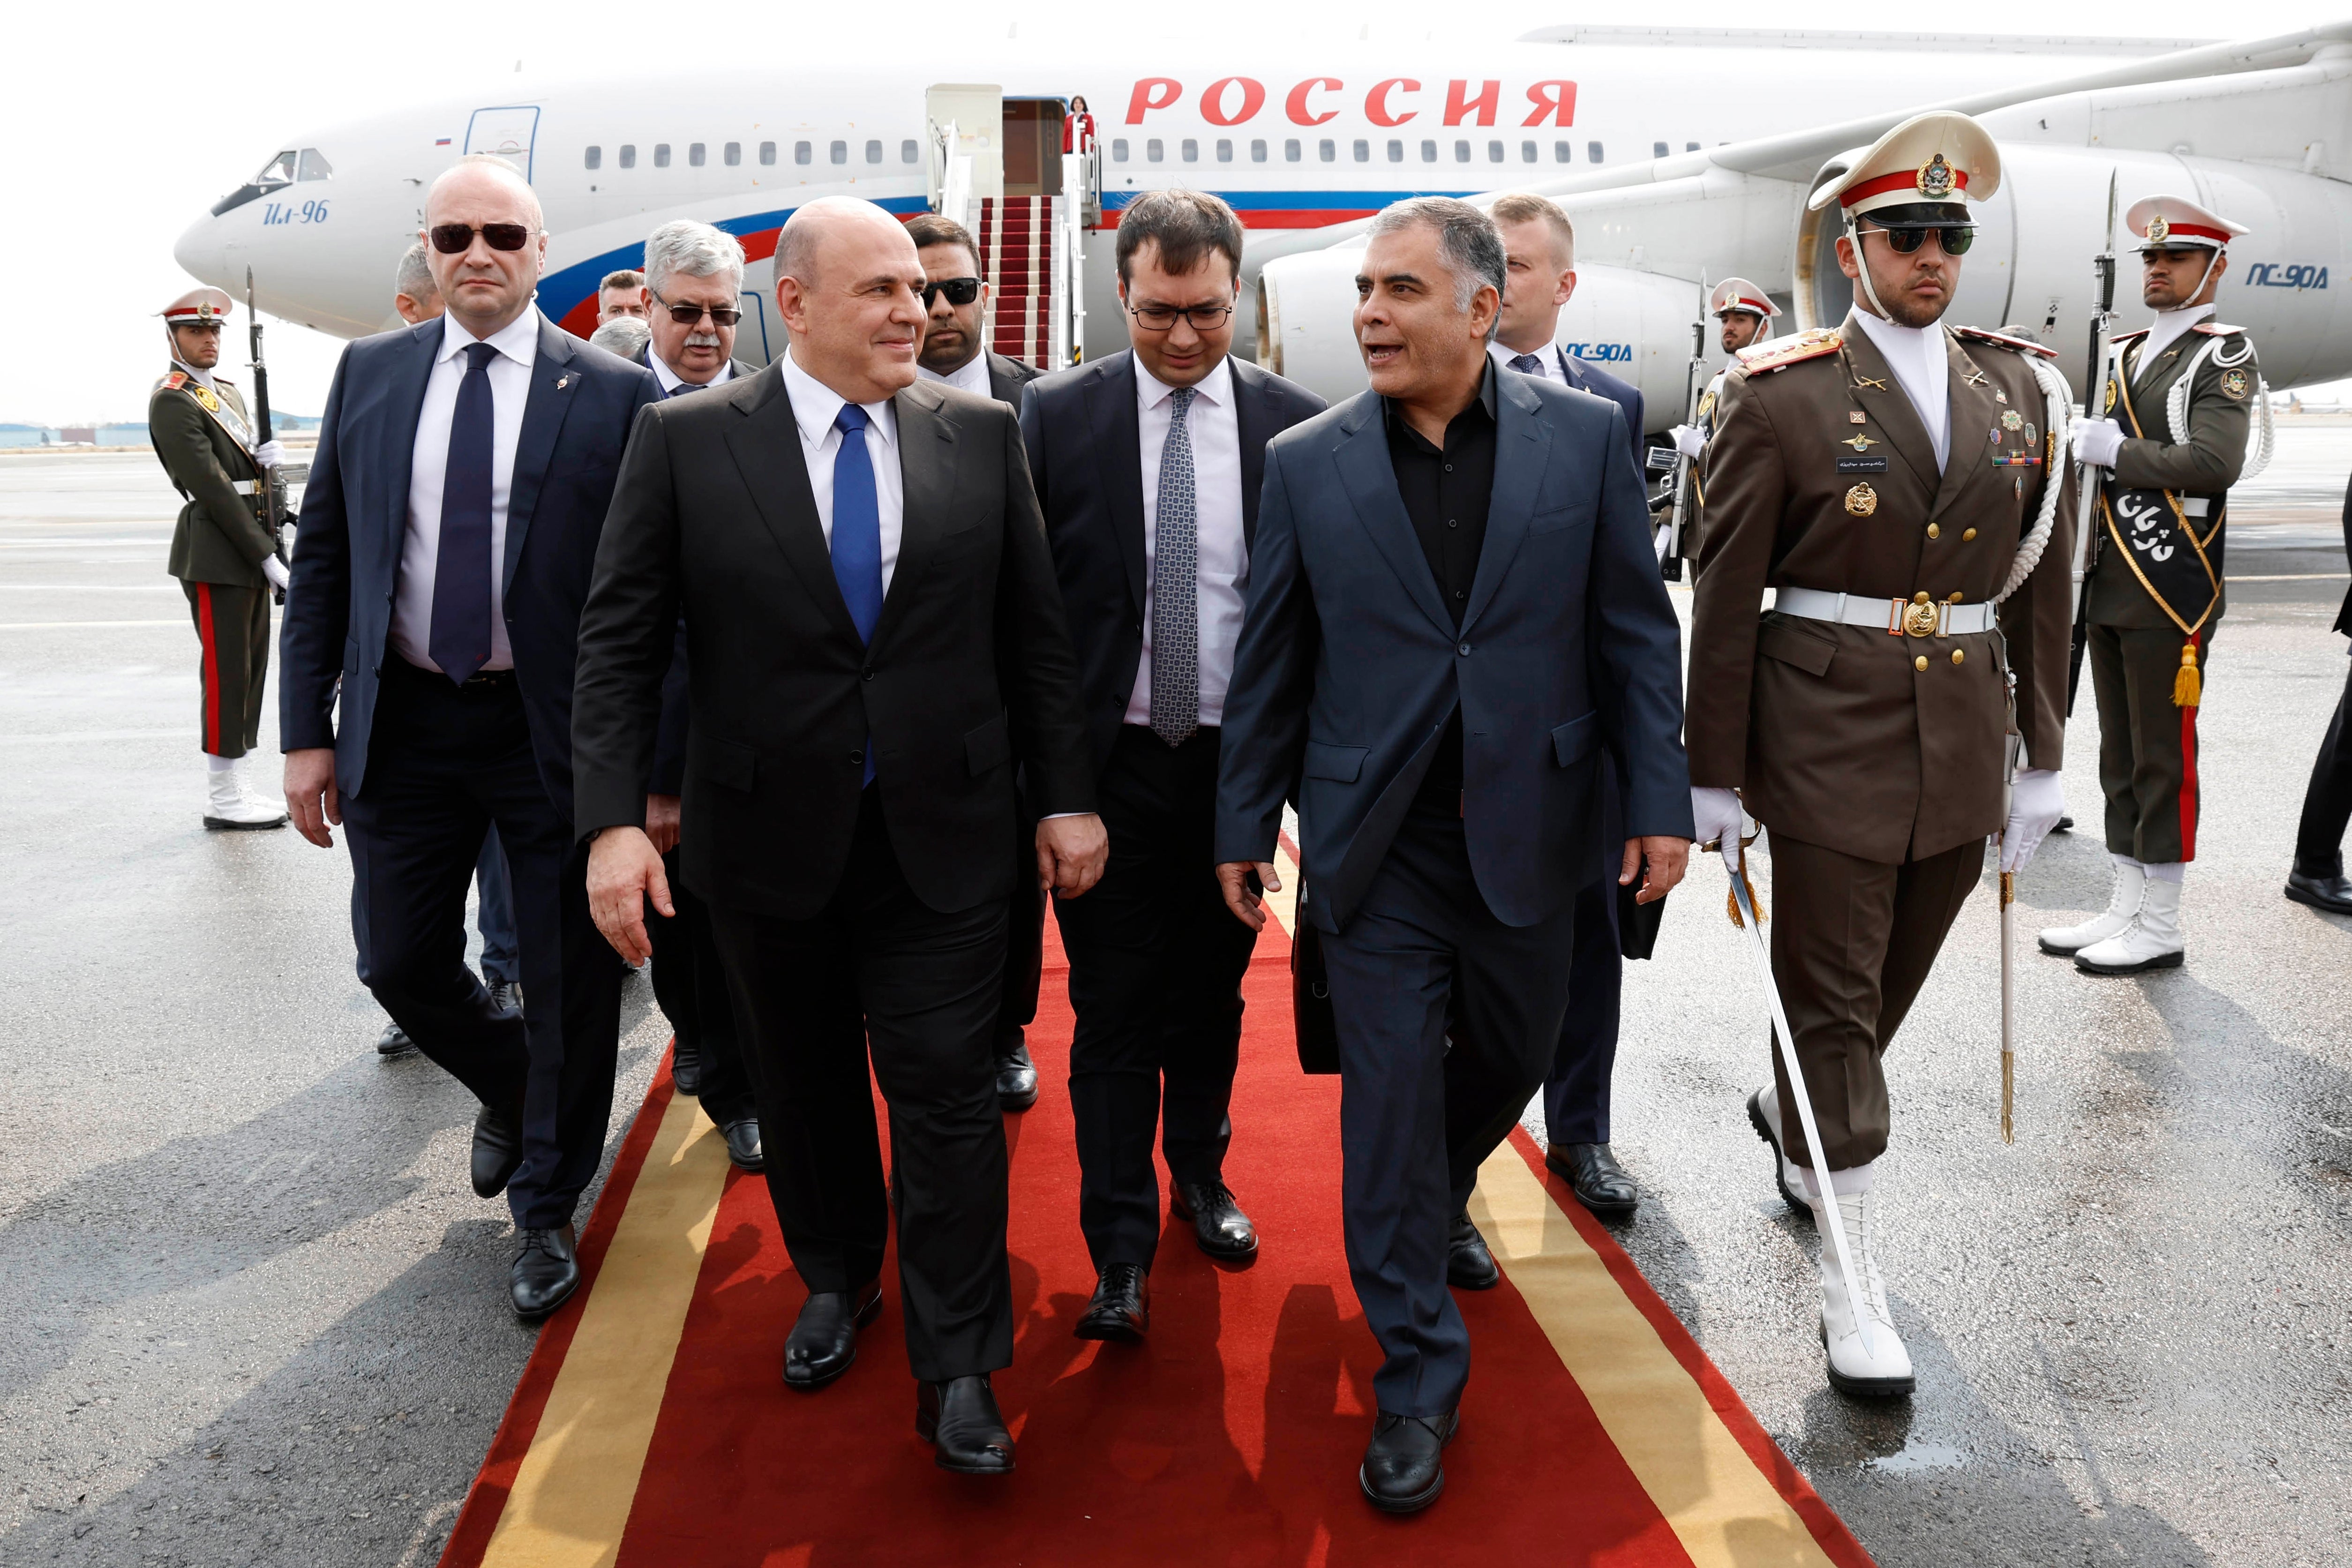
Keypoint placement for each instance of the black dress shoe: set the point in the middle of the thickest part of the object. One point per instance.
(743, 1149)
(959, 1418)
(1468, 1265)
(1400, 1473)
(1598, 1182)
(2332, 894)
(497, 1151)
(394, 1041)
(1121, 1307)
(685, 1067)
(1218, 1223)
(506, 996)
(823, 1340)
(546, 1271)
(2063, 825)
(1016, 1075)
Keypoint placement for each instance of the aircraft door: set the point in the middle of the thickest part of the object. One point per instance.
(964, 161)
(510, 131)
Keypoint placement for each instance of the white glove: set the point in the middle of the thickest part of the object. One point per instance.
(2036, 801)
(2096, 441)
(1688, 440)
(270, 454)
(1720, 817)
(274, 571)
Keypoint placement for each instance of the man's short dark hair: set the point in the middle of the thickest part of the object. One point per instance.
(1186, 225)
(625, 279)
(927, 229)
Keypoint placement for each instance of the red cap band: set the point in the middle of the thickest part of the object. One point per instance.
(1906, 180)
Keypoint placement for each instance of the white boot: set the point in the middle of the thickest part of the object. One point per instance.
(2152, 940)
(228, 806)
(1764, 1116)
(2131, 880)
(254, 794)
(1884, 1370)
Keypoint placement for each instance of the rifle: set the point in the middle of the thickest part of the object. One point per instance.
(1670, 541)
(269, 496)
(2102, 326)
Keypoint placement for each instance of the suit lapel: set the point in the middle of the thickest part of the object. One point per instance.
(1522, 449)
(412, 367)
(1254, 423)
(927, 478)
(1871, 382)
(766, 444)
(1118, 449)
(1975, 413)
(543, 413)
(1370, 478)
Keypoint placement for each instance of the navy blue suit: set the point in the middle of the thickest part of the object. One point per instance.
(1349, 668)
(424, 765)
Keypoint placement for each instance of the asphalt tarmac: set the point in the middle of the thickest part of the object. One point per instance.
(250, 1312)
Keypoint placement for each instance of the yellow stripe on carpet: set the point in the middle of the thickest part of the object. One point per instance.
(1725, 1513)
(573, 1491)
(1283, 904)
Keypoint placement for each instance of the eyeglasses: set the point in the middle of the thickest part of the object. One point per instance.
(1158, 317)
(688, 315)
(1904, 241)
(959, 291)
(455, 239)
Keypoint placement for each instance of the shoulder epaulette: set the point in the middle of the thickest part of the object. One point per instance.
(2002, 340)
(2216, 329)
(2127, 337)
(173, 381)
(1810, 344)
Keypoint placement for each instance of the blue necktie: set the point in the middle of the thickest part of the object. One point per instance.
(460, 638)
(1527, 365)
(857, 533)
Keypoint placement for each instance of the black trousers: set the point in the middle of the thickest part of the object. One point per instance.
(1156, 967)
(1422, 954)
(445, 763)
(1576, 1091)
(1025, 937)
(878, 971)
(690, 985)
(2328, 799)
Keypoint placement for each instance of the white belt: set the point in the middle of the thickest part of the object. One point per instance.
(1895, 617)
(246, 486)
(2194, 505)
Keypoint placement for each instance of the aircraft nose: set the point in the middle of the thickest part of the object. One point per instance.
(201, 252)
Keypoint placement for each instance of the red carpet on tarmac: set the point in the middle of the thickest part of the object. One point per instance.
(651, 1428)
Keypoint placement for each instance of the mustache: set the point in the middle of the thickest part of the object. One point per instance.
(702, 340)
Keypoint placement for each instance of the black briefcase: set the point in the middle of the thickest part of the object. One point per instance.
(1310, 995)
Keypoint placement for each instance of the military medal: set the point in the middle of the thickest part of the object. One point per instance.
(1860, 380)
(2012, 420)
(1855, 416)
(1999, 395)
(1996, 435)
(1975, 379)
(1862, 500)
(1859, 443)
(2031, 437)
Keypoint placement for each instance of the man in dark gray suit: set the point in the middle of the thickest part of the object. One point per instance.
(1454, 608)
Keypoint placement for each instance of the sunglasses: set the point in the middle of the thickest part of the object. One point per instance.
(1904, 241)
(959, 291)
(688, 315)
(455, 239)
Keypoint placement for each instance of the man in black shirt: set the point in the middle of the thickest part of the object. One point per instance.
(1452, 603)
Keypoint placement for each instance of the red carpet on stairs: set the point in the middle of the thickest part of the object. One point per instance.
(1232, 1436)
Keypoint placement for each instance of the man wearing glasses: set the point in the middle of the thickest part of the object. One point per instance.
(955, 301)
(1891, 481)
(694, 280)
(463, 469)
(1148, 464)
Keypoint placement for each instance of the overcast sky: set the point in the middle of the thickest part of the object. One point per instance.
(125, 123)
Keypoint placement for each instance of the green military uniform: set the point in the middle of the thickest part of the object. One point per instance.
(204, 441)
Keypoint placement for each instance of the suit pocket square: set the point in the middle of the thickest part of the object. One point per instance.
(1572, 742)
(724, 762)
(990, 746)
(1340, 764)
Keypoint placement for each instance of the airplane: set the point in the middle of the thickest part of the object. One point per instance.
(1683, 155)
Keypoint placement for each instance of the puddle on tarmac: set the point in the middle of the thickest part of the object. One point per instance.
(1916, 1457)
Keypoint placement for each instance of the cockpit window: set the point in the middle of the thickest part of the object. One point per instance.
(314, 167)
(279, 171)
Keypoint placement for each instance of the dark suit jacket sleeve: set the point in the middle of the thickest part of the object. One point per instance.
(1036, 668)
(2344, 613)
(318, 598)
(669, 738)
(628, 632)
(1264, 738)
(1033, 442)
(1637, 655)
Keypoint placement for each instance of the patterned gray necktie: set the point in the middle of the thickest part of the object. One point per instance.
(1175, 586)
(1527, 365)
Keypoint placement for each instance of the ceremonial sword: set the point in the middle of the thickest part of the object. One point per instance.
(1746, 909)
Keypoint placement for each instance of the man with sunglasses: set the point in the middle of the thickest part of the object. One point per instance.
(1149, 464)
(694, 280)
(955, 302)
(463, 469)
(1890, 481)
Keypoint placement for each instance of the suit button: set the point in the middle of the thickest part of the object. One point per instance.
(1959, 655)
(1920, 663)
(858, 758)
(1967, 534)
(1463, 650)
(1934, 532)
(864, 675)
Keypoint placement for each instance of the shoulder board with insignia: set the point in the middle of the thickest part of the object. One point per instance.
(2127, 337)
(2216, 329)
(1810, 344)
(173, 381)
(1978, 335)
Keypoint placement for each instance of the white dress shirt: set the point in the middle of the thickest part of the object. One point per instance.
(1223, 556)
(1922, 369)
(971, 376)
(1547, 365)
(815, 408)
(671, 381)
(2170, 328)
(428, 470)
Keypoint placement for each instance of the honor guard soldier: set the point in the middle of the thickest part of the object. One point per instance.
(224, 551)
(1743, 314)
(2178, 404)
(1891, 481)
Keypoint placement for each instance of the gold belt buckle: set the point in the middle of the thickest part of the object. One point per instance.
(1921, 620)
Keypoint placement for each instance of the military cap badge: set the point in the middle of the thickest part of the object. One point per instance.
(1936, 179)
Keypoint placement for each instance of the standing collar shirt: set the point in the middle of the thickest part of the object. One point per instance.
(2170, 328)
(509, 372)
(1223, 578)
(971, 376)
(815, 408)
(671, 381)
(1922, 369)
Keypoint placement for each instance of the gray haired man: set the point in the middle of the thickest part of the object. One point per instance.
(694, 283)
(414, 293)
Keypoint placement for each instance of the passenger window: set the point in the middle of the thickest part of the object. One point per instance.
(801, 152)
(1658, 150)
(766, 153)
(595, 159)
(1291, 149)
(1494, 151)
(1462, 153)
(1191, 151)
(1328, 150)
(873, 152)
(315, 167)
(838, 151)
(1154, 150)
(1396, 152)
(1690, 146)
(1592, 150)
(694, 154)
(1526, 152)
(628, 155)
(661, 154)
(1364, 151)
(1119, 150)
(1257, 152)
(1225, 150)
(910, 150)
(1560, 152)
(732, 154)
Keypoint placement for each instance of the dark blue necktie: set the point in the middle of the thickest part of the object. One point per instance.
(1527, 365)
(460, 642)
(857, 533)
